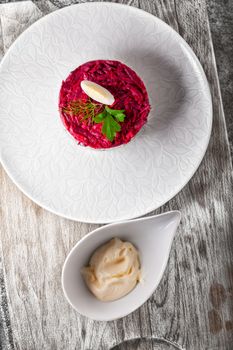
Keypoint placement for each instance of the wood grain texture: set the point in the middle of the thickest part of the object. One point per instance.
(192, 307)
(221, 25)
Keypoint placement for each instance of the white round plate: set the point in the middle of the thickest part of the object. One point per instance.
(117, 184)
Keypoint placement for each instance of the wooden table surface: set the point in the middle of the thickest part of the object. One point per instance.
(193, 306)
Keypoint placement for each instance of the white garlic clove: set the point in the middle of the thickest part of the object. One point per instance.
(97, 92)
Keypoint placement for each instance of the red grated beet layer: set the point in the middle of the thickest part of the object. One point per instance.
(128, 90)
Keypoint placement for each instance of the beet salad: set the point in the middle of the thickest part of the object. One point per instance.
(103, 104)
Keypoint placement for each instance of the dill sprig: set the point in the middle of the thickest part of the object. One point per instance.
(83, 109)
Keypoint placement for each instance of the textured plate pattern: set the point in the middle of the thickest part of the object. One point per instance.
(121, 183)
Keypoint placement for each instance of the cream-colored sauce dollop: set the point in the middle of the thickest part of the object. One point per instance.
(113, 271)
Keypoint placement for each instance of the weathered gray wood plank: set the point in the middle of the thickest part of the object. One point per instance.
(192, 308)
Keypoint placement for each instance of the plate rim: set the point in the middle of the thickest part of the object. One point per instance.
(203, 78)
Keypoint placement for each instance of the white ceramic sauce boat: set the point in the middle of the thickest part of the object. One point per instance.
(152, 236)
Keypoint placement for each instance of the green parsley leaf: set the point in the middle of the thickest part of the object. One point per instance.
(110, 127)
(100, 117)
(120, 117)
(114, 112)
(110, 119)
